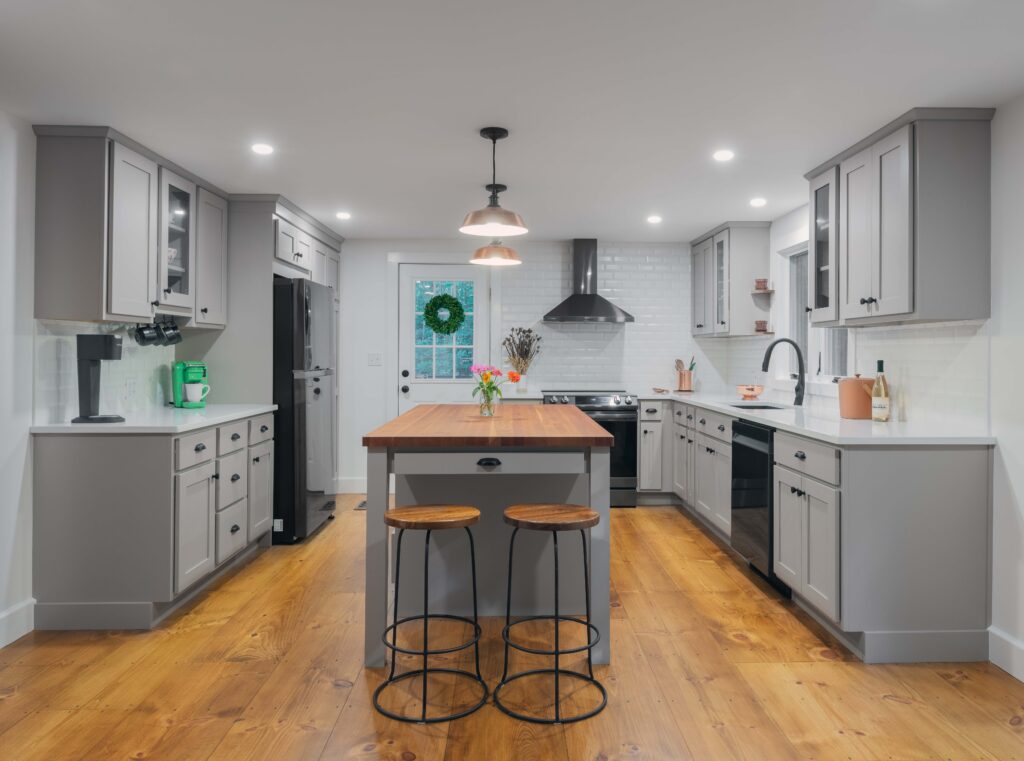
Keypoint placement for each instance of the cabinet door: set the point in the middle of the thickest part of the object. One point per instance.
(293, 245)
(211, 259)
(820, 579)
(788, 541)
(334, 272)
(194, 510)
(131, 278)
(650, 456)
(691, 468)
(704, 480)
(855, 235)
(679, 461)
(321, 254)
(177, 252)
(703, 317)
(720, 272)
(822, 296)
(261, 489)
(892, 258)
(722, 513)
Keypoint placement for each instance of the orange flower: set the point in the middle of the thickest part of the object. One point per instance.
(486, 377)
(514, 376)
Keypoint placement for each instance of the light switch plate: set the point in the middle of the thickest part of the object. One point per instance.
(374, 359)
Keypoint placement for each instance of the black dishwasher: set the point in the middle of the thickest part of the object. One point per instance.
(752, 503)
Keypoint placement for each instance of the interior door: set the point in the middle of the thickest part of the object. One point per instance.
(434, 367)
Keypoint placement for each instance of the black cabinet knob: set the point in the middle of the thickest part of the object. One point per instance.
(200, 447)
(264, 428)
(488, 462)
(689, 417)
(316, 392)
(863, 301)
(702, 421)
(405, 389)
(235, 528)
(679, 414)
(872, 300)
(215, 476)
(808, 309)
(800, 455)
(235, 477)
(721, 428)
(405, 373)
(236, 436)
(255, 459)
(154, 303)
(699, 325)
(204, 310)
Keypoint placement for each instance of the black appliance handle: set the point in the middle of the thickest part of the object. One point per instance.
(488, 462)
(612, 416)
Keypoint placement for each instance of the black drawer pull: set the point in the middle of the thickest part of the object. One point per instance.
(255, 459)
(800, 455)
(721, 428)
(235, 528)
(200, 447)
(488, 462)
(235, 477)
(702, 421)
(651, 410)
(236, 436)
(689, 417)
(264, 428)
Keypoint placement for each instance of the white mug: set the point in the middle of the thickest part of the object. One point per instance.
(196, 392)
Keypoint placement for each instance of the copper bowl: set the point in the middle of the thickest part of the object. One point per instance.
(750, 393)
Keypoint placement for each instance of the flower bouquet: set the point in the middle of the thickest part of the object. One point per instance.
(489, 381)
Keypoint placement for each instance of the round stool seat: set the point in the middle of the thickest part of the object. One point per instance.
(551, 517)
(432, 517)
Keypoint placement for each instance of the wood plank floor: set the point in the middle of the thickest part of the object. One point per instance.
(708, 664)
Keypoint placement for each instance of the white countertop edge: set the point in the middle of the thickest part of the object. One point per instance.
(169, 420)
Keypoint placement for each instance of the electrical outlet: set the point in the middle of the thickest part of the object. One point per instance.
(278, 524)
(374, 359)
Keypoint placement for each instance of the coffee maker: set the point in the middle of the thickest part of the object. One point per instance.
(187, 372)
(92, 349)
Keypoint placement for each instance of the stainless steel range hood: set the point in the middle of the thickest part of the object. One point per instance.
(585, 305)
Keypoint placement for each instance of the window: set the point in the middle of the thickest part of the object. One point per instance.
(439, 356)
(826, 350)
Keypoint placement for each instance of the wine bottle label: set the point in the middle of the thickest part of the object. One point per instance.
(880, 408)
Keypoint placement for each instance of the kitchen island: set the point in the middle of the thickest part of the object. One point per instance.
(450, 454)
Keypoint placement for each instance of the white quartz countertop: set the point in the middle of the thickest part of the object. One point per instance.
(162, 420)
(835, 430)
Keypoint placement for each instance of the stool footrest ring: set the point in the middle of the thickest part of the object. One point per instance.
(593, 635)
(540, 720)
(477, 632)
(430, 719)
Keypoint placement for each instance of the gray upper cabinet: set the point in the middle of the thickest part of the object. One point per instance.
(176, 254)
(913, 221)
(822, 279)
(726, 262)
(211, 260)
(294, 246)
(133, 233)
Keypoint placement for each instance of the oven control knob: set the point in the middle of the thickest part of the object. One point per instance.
(616, 399)
(565, 400)
(629, 400)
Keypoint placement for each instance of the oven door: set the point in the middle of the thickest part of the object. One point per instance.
(623, 427)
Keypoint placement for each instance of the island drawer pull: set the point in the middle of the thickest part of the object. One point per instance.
(488, 462)
(651, 410)
(235, 477)
(200, 447)
(236, 436)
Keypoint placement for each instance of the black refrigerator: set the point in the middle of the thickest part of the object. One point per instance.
(304, 391)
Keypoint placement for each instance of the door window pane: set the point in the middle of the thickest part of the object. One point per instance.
(441, 356)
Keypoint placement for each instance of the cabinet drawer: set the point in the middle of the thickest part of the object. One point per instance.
(232, 437)
(651, 410)
(261, 428)
(232, 478)
(231, 530)
(195, 448)
(682, 414)
(810, 457)
(463, 463)
(713, 424)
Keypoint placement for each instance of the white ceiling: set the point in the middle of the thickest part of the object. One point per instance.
(614, 106)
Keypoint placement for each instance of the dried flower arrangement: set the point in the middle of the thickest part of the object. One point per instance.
(522, 345)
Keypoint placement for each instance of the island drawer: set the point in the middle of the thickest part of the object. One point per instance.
(232, 437)
(651, 410)
(713, 424)
(261, 429)
(809, 457)
(468, 463)
(683, 414)
(232, 478)
(231, 530)
(195, 448)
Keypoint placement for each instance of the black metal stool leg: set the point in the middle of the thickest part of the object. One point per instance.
(558, 699)
(586, 581)
(476, 613)
(426, 616)
(508, 598)
(394, 617)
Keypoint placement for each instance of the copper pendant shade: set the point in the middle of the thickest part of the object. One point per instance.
(495, 255)
(492, 221)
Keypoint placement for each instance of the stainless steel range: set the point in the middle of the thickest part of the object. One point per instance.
(616, 412)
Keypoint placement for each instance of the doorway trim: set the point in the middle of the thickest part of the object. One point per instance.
(396, 258)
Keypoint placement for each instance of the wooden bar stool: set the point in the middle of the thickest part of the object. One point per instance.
(430, 518)
(554, 518)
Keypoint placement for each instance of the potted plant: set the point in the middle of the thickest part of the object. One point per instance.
(489, 381)
(522, 345)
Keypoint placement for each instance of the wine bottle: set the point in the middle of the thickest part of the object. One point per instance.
(880, 408)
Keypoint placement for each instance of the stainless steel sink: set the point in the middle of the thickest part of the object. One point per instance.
(757, 406)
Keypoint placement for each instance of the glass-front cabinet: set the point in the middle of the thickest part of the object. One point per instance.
(823, 294)
(176, 261)
(720, 265)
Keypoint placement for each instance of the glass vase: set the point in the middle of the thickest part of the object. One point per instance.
(487, 406)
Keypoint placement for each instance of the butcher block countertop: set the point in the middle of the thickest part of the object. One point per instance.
(461, 425)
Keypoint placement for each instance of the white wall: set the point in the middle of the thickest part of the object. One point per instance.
(1007, 334)
(17, 223)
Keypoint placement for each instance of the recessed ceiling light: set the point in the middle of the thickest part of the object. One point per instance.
(344, 215)
(723, 155)
(262, 149)
(757, 203)
(654, 219)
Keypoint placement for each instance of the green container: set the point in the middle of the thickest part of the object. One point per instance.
(187, 372)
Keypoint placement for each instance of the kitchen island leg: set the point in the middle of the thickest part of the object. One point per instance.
(376, 596)
(600, 551)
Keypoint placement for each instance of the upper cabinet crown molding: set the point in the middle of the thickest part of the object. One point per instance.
(286, 209)
(728, 226)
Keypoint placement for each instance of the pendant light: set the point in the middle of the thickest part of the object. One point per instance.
(496, 255)
(492, 221)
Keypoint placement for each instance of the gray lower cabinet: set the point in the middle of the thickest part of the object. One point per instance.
(722, 511)
(261, 488)
(806, 539)
(194, 508)
(650, 451)
(713, 482)
(680, 462)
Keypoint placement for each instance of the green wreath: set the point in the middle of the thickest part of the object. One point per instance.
(456, 314)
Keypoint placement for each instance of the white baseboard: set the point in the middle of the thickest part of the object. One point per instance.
(1006, 651)
(351, 485)
(17, 621)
